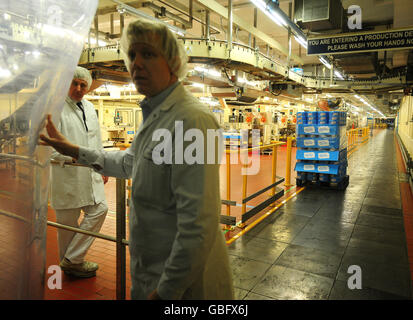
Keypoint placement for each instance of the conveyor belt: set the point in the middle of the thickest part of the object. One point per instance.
(247, 59)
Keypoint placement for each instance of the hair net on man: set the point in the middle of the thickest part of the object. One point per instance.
(84, 74)
(157, 35)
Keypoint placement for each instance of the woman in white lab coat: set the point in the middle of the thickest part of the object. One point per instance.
(176, 244)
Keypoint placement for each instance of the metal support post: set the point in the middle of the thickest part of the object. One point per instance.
(120, 234)
(96, 31)
(274, 168)
(207, 18)
(229, 34)
(228, 182)
(288, 164)
(254, 42)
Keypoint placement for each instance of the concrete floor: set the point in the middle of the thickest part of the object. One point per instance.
(304, 250)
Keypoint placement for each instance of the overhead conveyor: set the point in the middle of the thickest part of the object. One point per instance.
(246, 59)
(108, 63)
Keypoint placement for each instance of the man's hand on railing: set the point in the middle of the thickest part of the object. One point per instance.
(58, 141)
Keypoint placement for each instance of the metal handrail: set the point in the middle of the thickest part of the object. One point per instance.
(89, 233)
(266, 146)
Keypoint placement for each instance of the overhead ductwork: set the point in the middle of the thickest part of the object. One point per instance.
(319, 15)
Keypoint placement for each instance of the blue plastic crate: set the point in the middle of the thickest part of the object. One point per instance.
(321, 155)
(324, 168)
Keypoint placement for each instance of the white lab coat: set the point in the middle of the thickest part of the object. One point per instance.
(75, 187)
(176, 243)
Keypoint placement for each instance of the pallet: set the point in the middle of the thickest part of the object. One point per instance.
(342, 185)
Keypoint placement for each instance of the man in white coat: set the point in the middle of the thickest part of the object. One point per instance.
(75, 189)
(176, 244)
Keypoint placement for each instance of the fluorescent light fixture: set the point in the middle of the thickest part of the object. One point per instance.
(198, 85)
(301, 41)
(369, 105)
(209, 100)
(323, 61)
(101, 43)
(274, 16)
(211, 72)
(114, 88)
(338, 75)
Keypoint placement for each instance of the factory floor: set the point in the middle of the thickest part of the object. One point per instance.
(304, 249)
(316, 244)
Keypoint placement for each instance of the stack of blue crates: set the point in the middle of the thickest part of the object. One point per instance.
(321, 147)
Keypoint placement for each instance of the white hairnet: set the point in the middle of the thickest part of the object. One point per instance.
(158, 35)
(84, 74)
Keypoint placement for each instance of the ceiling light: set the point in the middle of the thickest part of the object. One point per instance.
(197, 84)
(211, 72)
(274, 16)
(323, 61)
(100, 42)
(301, 41)
(338, 75)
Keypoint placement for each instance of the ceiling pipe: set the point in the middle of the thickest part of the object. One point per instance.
(295, 29)
(191, 16)
(124, 8)
(160, 10)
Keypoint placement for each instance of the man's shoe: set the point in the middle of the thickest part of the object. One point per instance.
(85, 269)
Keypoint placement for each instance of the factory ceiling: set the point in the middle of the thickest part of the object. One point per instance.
(253, 29)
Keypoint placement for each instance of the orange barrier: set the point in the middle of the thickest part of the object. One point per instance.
(228, 201)
(356, 136)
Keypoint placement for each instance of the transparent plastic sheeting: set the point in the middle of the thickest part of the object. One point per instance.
(40, 44)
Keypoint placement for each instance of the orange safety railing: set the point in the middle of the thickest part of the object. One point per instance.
(356, 136)
(229, 220)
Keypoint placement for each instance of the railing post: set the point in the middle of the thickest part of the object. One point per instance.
(244, 192)
(244, 180)
(120, 235)
(228, 182)
(244, 163)
(274, 167)
(273, 171)
(288, 165)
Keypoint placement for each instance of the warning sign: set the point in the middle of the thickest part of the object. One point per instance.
(362, 42)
